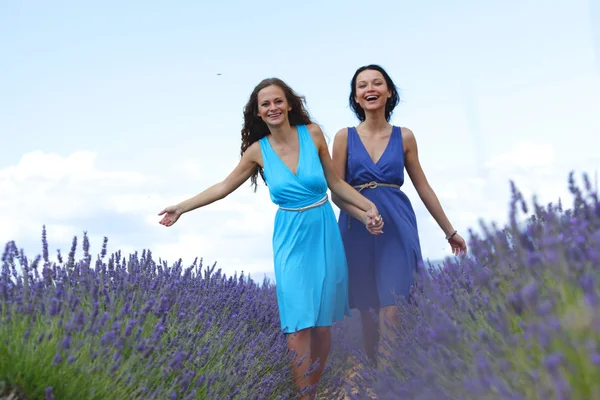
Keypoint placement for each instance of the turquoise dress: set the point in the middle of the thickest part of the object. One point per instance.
(311, 273)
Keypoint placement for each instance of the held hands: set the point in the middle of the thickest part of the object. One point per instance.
(172, 214)
(373, 221)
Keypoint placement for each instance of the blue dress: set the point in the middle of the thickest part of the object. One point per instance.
(311, 275)
(380, 267)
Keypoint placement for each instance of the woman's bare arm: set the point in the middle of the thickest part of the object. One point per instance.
(240, 174)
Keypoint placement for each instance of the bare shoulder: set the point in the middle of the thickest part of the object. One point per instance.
(341, 135)
(340, 142)
(340, 149)
(315, 129)
(253, 149)
(407, 133)
(408, 139)
(317, 135)
(253, 153)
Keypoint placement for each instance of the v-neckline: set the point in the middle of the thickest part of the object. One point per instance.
(367, 151)
(299, 154)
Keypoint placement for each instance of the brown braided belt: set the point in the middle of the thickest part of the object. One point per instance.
(371, 185)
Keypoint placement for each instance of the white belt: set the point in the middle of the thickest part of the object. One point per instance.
(300, 209)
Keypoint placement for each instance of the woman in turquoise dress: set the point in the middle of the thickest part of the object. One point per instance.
(280, 143)
(372, 157)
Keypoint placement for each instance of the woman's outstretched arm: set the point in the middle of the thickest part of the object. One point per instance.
(250, 160)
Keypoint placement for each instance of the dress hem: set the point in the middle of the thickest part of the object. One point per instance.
(288, 332)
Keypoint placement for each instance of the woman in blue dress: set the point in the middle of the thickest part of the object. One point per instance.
(280, 143)
(371, 157)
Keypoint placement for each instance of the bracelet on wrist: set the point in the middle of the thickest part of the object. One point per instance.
(451, 236)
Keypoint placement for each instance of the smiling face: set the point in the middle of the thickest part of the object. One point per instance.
(273, 106)
(372, 92)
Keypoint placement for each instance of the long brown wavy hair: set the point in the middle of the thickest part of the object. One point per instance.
(255, 128)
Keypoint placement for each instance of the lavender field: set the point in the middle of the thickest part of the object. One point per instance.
(519, 318)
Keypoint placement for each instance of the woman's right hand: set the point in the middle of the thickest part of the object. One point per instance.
(171, 215)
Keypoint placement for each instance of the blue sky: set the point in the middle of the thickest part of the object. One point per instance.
(111, 111)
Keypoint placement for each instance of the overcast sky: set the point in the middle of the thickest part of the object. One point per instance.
(111, 111)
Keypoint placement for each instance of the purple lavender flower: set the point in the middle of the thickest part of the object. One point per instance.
(516, 319)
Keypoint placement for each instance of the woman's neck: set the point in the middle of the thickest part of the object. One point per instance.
(282, 133)
(375, 122)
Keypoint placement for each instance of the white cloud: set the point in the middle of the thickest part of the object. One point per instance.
(235, 232)
(78, 167)
(47, 187)
(71, 194)
(50, 187)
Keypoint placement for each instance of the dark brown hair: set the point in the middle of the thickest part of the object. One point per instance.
(390, 104)
(255, 128)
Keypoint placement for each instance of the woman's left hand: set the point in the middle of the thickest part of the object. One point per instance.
(458, 245)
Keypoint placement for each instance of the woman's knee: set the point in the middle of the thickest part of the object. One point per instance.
(390, 313)
(321, 331)
(300, 335)
(369, 313)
